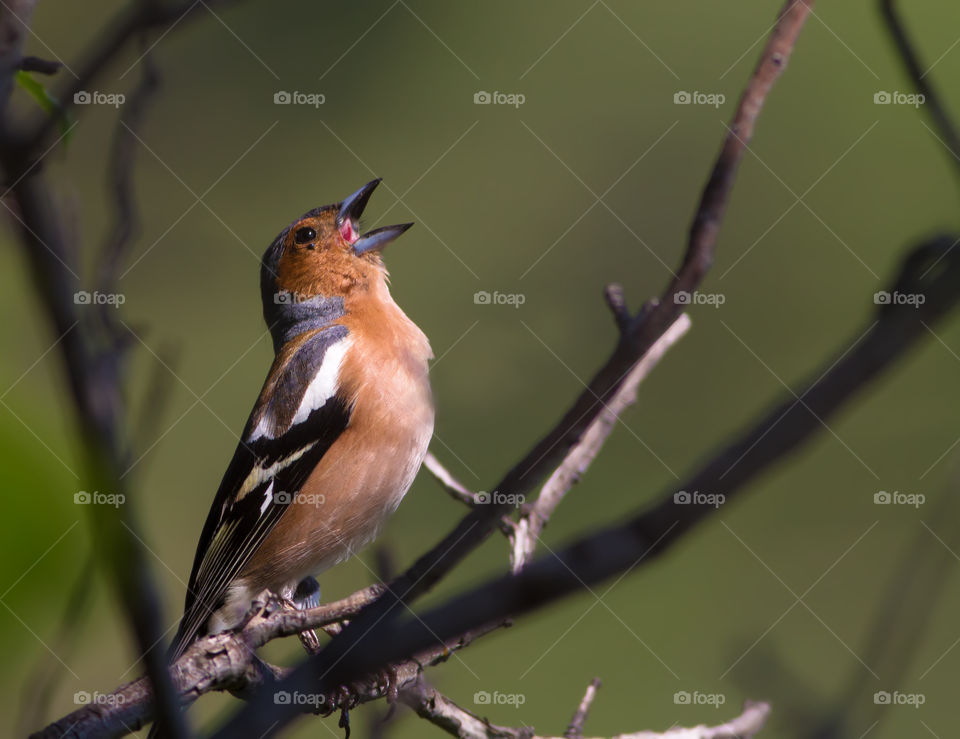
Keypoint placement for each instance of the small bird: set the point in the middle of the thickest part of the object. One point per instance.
(338, 432)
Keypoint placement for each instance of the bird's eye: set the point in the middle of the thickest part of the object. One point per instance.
(304, 235)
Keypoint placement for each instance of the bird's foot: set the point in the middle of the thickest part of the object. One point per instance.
(307, 595)
(390, 680)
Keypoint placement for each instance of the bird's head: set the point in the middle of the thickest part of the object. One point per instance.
(323, 253)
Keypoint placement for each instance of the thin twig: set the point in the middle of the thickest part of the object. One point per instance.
(456, 489)
(40, 66)
(526, 530)
(15, 19)
(123, 156)
(575, 728)
(920, 78)
(617, 302)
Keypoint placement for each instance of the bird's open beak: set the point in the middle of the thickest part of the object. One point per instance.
(347, 223)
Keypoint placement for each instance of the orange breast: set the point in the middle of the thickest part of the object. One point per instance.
(364, 475)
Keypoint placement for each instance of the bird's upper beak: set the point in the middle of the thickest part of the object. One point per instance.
(349, 215)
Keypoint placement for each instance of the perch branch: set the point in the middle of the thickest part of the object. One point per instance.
(225, 662)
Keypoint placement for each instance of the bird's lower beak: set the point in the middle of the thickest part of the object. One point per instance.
(350, 211)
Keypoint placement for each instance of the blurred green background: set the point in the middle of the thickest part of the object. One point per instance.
(505, 199)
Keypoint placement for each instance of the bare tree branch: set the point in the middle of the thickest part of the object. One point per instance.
(225, 662)
(93, 353)
(430, 704)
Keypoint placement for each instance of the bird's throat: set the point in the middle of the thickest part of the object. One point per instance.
(288, 317)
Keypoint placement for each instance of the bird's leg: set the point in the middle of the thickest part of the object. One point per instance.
(306, 595)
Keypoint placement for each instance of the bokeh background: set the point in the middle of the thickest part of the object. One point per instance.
(778, 595)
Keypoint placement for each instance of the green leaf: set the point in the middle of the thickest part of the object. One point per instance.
(46, 101)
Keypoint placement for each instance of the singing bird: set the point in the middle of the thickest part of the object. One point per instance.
(337, 434)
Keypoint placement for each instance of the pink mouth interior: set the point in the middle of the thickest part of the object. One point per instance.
(348, 232)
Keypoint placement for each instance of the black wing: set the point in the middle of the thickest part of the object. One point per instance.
(247, 505)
